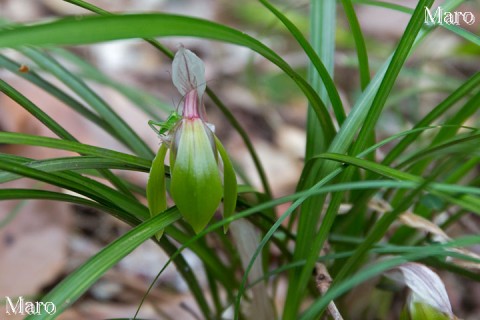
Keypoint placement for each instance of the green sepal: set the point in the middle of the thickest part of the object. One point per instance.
(195, 184)
(229, 184)
(423, 311)
(156, 189)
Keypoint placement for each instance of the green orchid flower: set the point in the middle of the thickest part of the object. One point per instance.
(197, 183)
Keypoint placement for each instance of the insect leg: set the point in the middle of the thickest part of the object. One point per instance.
(152, 125)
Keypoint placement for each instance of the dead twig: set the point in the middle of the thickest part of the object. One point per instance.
(324, 280)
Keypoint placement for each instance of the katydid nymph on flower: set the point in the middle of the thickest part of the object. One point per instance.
(165, 126)
(197, 183)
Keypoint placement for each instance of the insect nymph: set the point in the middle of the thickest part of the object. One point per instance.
(165, 126)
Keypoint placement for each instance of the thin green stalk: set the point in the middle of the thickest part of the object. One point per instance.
(12, 214)
(248, 143)
(187, 273)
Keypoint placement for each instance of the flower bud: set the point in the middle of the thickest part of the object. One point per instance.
(197, 185)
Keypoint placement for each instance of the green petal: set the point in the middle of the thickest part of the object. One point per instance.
(229, 184)
(195, 185)
(156, 190)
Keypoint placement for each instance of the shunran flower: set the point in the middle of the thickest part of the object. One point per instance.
(197, 183)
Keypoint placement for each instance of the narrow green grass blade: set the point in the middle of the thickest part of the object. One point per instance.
(68, 163)
(89, 7)
(467, 202)
(445, 105)
(212, 284)
(398, 59)
(320, 68)
(77, 183)
(140, 98)
(453, 123)
(92, 189)
(359, 43)
(72, 287)
(441, 140)
(307, 171)
(362, 55)
(460, 144)
(122, 129)
(17, 138)
(322, 38)
(187, 273)
(388, 5)
(12, 213)
(27, 194)
(25, 139)
(102, 12)
(463, 170)
(208, 256)
(401, 96)
(467, 35)
(34, 110)
(400, 175)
